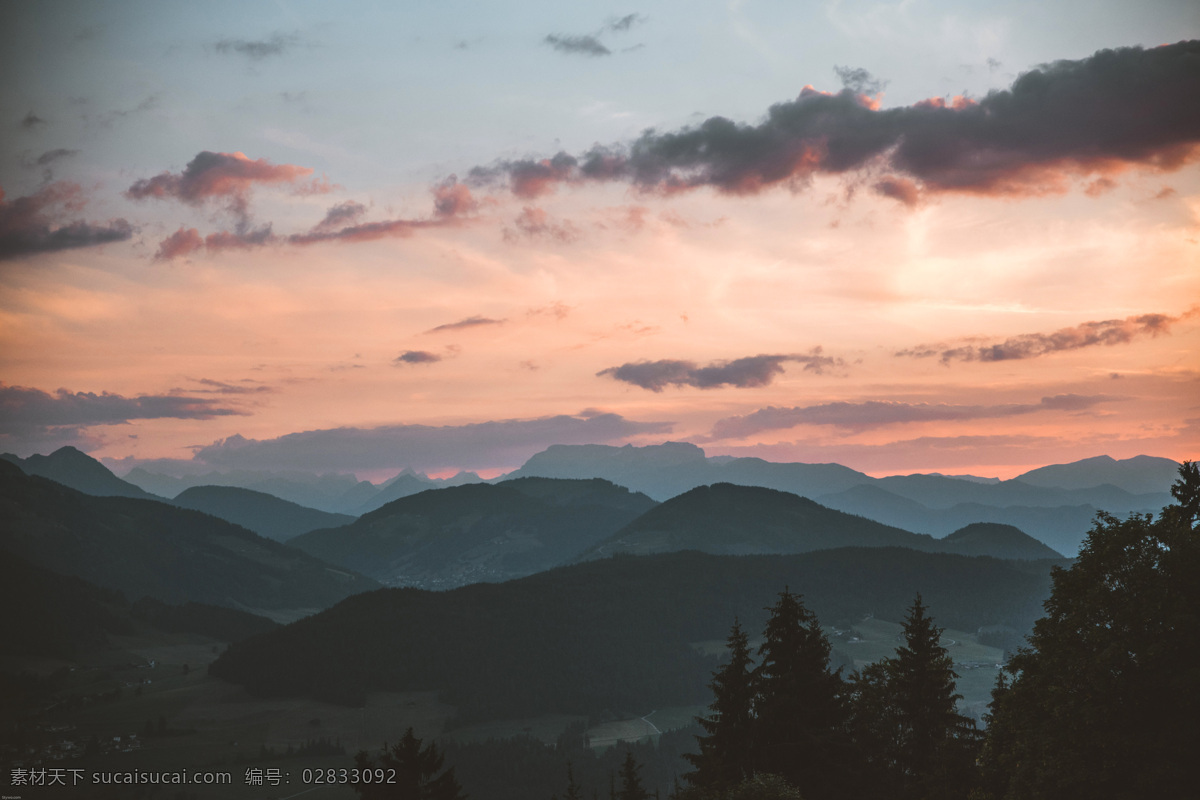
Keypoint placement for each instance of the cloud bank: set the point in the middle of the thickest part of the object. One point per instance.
(484, 445)
(1117, 109)
(880, 413)
(25, 410)
(751, 371)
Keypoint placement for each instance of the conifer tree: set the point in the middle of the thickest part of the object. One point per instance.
(631, 783)
(800, 714)
(726, 748)
(915, 744)
(417, 772)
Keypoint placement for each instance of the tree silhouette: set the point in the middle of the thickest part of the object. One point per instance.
(915, 744)
(631, 784)
(1103, 703)
(417, 772)
(726, 748)
(798, 733)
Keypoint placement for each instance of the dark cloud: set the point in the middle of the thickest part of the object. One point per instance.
(27, 411)
(32, 120)
(879, 413)
(742, 373)
(1031, 345)
(484, 445)
(257, 50)
(900, 189)
(451, 198)
(221, 387)
(1063, 120)
(577, 45)
(341, 215)
(859, 81)
(38, 223)
(416, 357)
(225, 177)
(469, 322)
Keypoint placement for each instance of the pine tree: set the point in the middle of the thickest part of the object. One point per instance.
(726, 751)
(417, 772)
(631, 784)
(1103, 703)
(574, 792)
(903, 712)
(799, 729)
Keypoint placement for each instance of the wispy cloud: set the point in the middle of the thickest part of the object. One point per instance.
(1107, 332)
(257, 49)
(416, 357)
(586, 45)
(469, 322)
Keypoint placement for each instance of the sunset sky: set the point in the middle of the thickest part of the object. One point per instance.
(914, 236)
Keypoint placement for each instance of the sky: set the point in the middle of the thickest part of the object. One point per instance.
(906, 237)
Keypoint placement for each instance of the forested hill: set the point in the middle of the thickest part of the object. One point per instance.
(609, 634)
(478, 532)
(149, 548)
(260, 512)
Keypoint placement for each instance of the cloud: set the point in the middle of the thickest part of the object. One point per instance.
(900, 189)
(879, 414)
(221, 387)
(226, 177)
(38, 223)
(1032, 345)
(186, 241)
(859, 81)
(469, 322)
(416, 357)
(341, 215)
(51, 156)
(1099, 115)
(32, 120)
(451, 198)
(276, 45)
(483, 445)
(625, 23)
(27, 411)
(751, 371)
(533, 223)
(577, 45)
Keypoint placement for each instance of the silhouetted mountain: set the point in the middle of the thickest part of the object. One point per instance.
(81, 472)
(611, 634)
(999, 541)
(335, 494)
(262, 513)
(936, 491)
(1137, 475)
(144, 547)
(726, 519)
(478, 532)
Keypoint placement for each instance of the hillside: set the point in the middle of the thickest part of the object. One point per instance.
(144, 547)
(478, 532)
(726, 519)
(262, 513)
(999, 541)
(81, 472)
(608, 634)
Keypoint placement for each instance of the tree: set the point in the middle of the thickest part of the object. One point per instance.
(631, 784)
(1103, 703)
(915, 744)
(726, 749)
(417, 772)
(800, 713)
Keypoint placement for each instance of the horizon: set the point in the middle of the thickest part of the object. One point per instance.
(904, 238)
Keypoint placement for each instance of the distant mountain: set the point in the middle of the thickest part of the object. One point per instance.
(478, 532)
(934, 504)
(262, 513)
(611, 635)
(81, 472)
(999, 541)
(1137, 475)
(726, 519)
(144, 547)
